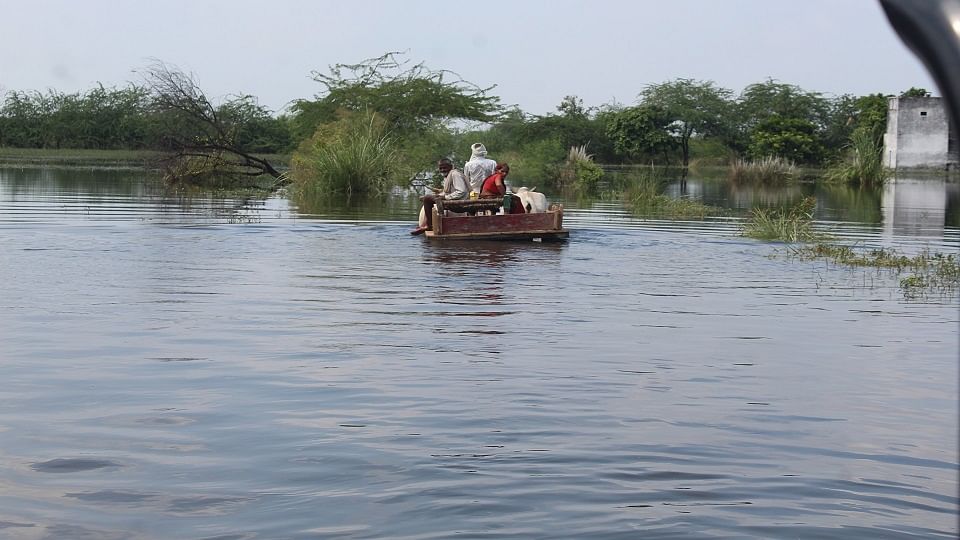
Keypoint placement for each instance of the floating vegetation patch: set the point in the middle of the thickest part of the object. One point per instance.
(929, 273)
(793, 224)
(645, 196)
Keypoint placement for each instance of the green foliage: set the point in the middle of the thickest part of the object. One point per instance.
(767, 171)
(794, 224)
(794, 139)
(693, 107)
(931, 272)
(575, 126)
(645, 196)
(760, 101)
(915, 92)
(580, 172)
(535, 163)
(352, 156)
(411, 98)
(641, 133)
(809, 114)
(863, 164)
(101, 118)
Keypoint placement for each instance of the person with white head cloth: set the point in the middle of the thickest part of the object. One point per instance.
(479, 167)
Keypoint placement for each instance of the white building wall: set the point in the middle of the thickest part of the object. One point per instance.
(917, 134)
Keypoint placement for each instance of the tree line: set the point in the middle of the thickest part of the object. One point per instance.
(385, 103)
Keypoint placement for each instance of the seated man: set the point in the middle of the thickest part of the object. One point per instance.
(455, 187)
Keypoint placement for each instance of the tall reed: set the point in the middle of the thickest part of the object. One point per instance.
(863, 164)
(579, 170)
(356, 155)
(767, 170)
(794, 224)
(645, 196)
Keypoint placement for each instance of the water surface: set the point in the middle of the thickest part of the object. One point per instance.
(199, 367)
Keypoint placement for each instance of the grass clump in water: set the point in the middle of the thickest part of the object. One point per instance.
(580, 171)
(864, 162)
(930, 271)
(645, 196)
(769, 170)
(794, 224)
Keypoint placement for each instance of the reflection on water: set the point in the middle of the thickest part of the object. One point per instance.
(202, 367)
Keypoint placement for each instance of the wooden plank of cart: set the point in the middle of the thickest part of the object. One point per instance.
(474, 224)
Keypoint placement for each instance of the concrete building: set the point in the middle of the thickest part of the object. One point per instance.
(919, 135)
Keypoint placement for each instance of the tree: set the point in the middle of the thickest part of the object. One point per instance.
(782, 112)
(760, 101)
(792, 138)
(641, 132)
(204, 138)
(411, 98)
(694, 107)
(915, 92)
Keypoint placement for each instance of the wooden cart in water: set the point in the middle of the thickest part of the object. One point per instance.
(471, 222)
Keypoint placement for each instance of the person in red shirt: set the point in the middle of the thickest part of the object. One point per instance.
(493, 187)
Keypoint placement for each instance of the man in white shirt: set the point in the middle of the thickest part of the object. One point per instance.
(479, 167)
(455, 187)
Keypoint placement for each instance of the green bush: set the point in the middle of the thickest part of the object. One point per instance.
(580, 172)
(768, 170)
(864, 162)
(536, 163)
(791, 225)
(354, 155)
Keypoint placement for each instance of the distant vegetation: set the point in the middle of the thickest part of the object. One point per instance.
(644, 194)
(769, 170)
(419, 114)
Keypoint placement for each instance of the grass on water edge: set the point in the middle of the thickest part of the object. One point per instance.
(929, 272)
(644, 193)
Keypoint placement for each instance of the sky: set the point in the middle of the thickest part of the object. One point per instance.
(534, 51)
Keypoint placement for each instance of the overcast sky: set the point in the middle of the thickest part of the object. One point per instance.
(534, 51)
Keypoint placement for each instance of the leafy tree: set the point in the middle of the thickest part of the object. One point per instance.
(412, 98)
(792, 138)
(641, 132)
(760, 101)
(915, 92)
(572, 107)
(694, 107)
(783, 113)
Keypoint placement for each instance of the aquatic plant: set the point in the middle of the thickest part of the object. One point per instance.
(579, 170)
(863, 164)
(767, 170)
(794, 224)
(930, 271)
(645, 196)
(354, 155)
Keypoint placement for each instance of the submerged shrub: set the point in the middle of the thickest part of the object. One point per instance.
(767, 170)
(535, 163)
(579, 171)
(353, 155)
(794, 224)
(863, 164)
(645, 196)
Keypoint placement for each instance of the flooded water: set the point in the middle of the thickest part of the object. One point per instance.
(212, 368)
